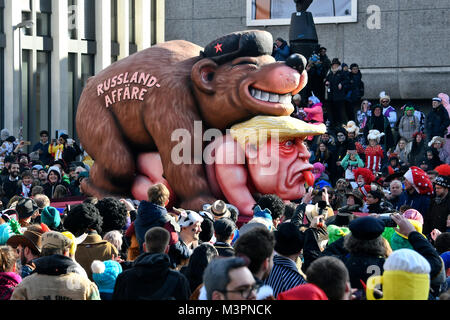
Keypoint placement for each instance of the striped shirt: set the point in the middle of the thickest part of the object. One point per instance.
(284, 275)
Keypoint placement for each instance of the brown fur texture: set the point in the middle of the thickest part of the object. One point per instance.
(190, 89)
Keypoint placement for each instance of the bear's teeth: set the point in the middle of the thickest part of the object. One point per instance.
(273, 97)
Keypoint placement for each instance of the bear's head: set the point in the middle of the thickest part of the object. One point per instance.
(237, 78)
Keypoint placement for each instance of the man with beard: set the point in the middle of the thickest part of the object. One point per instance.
(28, 246)
(12, 186)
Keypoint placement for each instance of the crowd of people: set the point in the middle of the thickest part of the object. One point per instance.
(378, 212)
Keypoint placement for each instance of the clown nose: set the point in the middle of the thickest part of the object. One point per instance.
(309, 177)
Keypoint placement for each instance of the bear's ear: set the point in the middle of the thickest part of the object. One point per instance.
(203, 74)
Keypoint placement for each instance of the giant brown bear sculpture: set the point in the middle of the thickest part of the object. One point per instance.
(134, 106)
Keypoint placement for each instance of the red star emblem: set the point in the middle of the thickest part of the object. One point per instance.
(218, 47)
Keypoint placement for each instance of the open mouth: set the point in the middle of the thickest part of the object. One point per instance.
(270, 96)
(299, 176)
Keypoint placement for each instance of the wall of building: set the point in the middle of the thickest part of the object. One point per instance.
(408, 56)
(70, 41)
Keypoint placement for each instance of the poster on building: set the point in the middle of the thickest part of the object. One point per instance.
(278, 12)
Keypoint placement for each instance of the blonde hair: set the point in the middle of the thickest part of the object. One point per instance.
(41, 200)
(260, 128)
(73, 246)
(158, 194)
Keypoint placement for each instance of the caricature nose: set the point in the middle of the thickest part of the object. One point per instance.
(297, 62)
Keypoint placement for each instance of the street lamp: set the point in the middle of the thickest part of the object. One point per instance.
(27, 24)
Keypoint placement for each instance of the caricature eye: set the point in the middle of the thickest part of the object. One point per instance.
(289, 143)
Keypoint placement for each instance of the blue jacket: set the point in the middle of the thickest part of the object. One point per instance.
(416, 201)
(149, 215)
(282, 53)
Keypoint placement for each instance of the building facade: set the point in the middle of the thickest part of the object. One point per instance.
(401, 46)
(49, 48)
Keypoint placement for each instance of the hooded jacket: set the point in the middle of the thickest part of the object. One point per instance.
(53, 279)
(49, 189)
(150, 278)
(149, 215)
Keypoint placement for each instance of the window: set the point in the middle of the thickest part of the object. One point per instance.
(71, 86)
(132, 13)
(89, 20)
(43, 24)
(278, 12)
(43, 81)
(114, 24)
(27, 16)
(72, 19)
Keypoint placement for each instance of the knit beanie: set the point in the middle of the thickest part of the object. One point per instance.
(105, 274)
(5, 233)
(288, 239)
(50, 216)
(407, 260)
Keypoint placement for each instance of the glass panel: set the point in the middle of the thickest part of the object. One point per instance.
(153, 22)
(114, 21)
(132, 12)
(2, 80)
(87, 68)
(27, 16)
(24, 108)
(89, 20)
(42, 94)
(43, 24)
(72, 19)
(72, 67)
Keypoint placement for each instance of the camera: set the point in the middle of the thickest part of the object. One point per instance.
(387, 220)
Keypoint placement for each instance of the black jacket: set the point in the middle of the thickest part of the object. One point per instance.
(150, 278)
(11, 188)
(436, 217)
(355, 88)
(70, 153)
(436, 122)
(335, 79)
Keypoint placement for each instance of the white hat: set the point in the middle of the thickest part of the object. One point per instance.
(188, 218)
(375, 135)
(351, 127)
(407, 260)
(437, 139)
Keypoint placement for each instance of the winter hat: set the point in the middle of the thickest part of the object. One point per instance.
(335, 61)
(105, 274)
(73, 246)
(188, 218)
(307, 291)
(413, 214)
(4, 134)
(37, 167)
(420, 180)
(51, 217)
(56, 170)
(54, 239)
(314, 99)
(366, 173)
(445, 100)
(366, 228)
(407, 260)
(288, 239)
(344, 65)
(375, 135)
(335, 233)
(406, 276)
(436, 139)
(351, 127)
(436, 99)
(5, 233)
(443, 179)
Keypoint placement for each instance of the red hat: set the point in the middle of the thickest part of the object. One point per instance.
(443, 170)
(307, 291)
(366, 173)
(420, 180)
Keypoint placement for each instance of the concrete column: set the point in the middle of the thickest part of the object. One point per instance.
(103, 34)
(59, 67)
(12, 16)
(143, 24)
(123, 13)
(160, 21)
